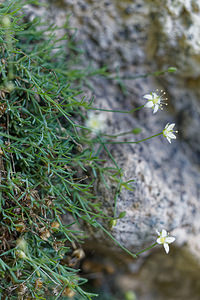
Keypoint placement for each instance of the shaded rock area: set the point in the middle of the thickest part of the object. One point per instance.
(168, 277)
(158, 277)
(137, 37)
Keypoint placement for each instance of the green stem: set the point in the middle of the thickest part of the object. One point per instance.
(124, 248)
(157, 73)
(120, 134)
(137, 142)
(117, 111)
(108, 152)
(120, 180)
(10, 53)
(146, 249)
(110, 235)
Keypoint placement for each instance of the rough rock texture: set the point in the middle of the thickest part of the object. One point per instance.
(166, 182)
(136, 37)
(176, 29)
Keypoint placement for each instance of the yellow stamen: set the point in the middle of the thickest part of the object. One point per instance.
(162, 240)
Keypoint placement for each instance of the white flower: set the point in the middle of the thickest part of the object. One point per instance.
(96, 122)
(155, 100)
(168, 132)
(164, 239)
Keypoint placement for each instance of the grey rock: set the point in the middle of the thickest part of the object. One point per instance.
(135, 38)
(174, 31)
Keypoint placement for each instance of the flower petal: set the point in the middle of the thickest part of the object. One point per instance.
(149, 104)
(148, 96)
(171, 126)
(164, 233)
(170, 239)
(156, 107)
(168, 139)
(155, 95)
(158, 232)
(166, 126)
(166, 246)
(159, 241)
(171, 135)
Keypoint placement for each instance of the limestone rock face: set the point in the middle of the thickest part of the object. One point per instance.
(174, 31)
(173, 39)
(166, 186)
(137, 37)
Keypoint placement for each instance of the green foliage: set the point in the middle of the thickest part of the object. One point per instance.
(46, 170)
(50, 162)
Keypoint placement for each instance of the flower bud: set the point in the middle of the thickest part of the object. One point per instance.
(68, 292)
(79, 253)
(113, 223)
(9, 87)
(38, 284)
(22, 289)
(6, 22)
(45, 235)
(20, 226)
(55, 225)
(21, 244)
(20, 254)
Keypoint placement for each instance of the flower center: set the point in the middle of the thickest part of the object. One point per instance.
(94, 124)
(162, 240)
(166, 132)
(156, 100)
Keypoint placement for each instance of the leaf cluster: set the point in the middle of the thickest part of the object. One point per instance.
(44, 167)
